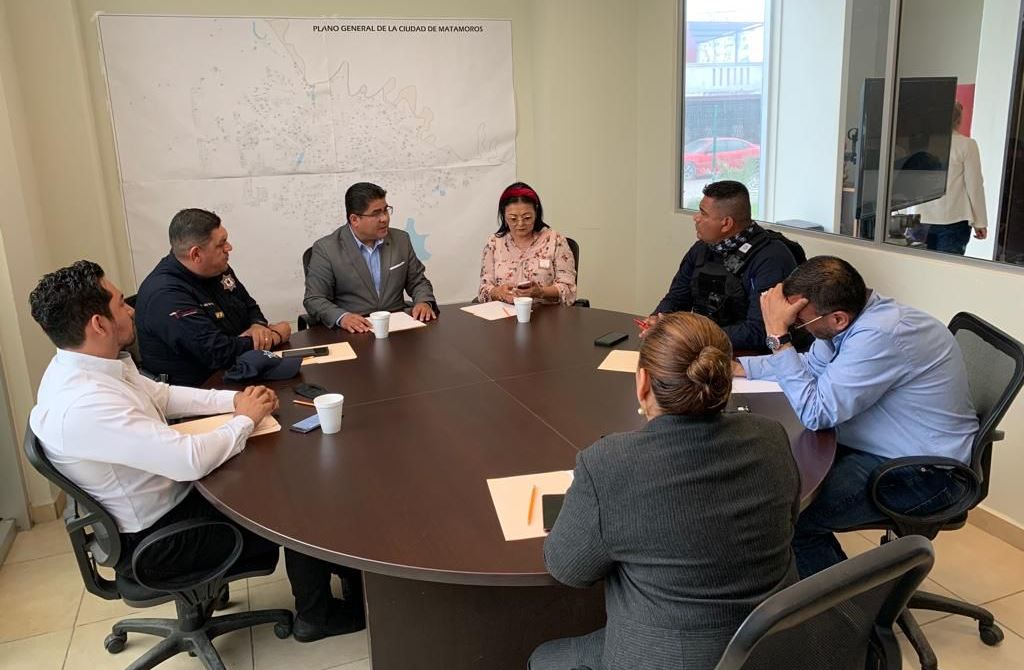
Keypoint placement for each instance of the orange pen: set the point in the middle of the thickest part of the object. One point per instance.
(533, 497)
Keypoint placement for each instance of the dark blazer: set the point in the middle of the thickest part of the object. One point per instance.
(338, 280)
(689, 522)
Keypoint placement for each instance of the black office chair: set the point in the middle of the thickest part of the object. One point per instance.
(135, 353)
(95, 542)
(995, 372)
(305, 320)
(574, 247)
(839, 619)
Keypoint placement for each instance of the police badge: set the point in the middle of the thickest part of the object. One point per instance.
(228, 282)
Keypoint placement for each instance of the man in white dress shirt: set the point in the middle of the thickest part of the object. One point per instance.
(104, 426)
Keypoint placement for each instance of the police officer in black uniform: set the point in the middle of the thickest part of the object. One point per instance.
(732, 262)
(192, 314)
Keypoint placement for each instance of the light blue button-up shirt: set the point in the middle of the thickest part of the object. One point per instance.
(372, 257)
(892, 384)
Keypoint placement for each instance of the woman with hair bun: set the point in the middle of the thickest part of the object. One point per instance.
(525, 256)
(688, 519)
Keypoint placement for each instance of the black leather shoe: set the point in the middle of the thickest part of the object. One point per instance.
(344, 618)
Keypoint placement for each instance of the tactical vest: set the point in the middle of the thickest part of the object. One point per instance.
(716, 288)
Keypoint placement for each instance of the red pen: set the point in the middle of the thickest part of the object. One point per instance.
(641, 324)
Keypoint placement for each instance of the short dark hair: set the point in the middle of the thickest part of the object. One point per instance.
(733, 199)
(359, 196)
(190, 228)
(514, 192)
(64, 301)
(830, 284)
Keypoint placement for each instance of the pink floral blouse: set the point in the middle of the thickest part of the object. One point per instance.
(548, 261)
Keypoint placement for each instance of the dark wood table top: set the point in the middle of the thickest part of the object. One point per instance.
(431, 414)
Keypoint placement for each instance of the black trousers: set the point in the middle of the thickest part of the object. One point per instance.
(205, 548)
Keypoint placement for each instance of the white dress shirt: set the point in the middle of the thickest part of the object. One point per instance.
(104, 426)
(965, 193)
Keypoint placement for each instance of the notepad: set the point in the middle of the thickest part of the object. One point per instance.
(511, 498)
(620, 360)
(744, 385)
(337, 351)
(402, 321)
(211, 423)
(492, 311)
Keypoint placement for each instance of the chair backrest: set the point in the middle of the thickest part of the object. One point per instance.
(306, 256)
(574, 247)
(995, 373)
(839, 619)
(94, 535)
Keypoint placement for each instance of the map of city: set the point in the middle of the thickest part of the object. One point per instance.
(268, 121)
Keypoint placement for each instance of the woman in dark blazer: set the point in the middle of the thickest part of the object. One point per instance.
(688, 520)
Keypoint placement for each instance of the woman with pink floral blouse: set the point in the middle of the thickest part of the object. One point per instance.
(525, 257)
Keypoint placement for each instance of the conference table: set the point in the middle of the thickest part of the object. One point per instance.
(400, 493)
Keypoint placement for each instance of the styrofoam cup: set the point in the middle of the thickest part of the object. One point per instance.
(523, 307)
(328, 408)
(381, 322)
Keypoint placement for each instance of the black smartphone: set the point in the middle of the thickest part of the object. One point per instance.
(610, 339)
(310, 391)
(306, 352)
(551, 504)
(306, 425)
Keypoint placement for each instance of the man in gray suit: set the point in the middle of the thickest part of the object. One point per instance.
(365, 267)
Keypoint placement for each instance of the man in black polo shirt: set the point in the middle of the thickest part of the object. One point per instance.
(732, 262)
(193, 315)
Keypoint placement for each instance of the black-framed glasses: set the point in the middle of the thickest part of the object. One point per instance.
(378, 213)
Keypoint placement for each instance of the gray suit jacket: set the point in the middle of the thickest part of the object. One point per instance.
(689, 521)
(338, 280)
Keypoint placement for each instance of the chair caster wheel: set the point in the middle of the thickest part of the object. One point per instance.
(282, 630)
(991, 634)
(115, 642)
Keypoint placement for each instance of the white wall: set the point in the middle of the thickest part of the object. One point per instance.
(993, 86)
(805, 159)
(939, 38)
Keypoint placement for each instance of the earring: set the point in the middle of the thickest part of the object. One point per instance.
(641, 411)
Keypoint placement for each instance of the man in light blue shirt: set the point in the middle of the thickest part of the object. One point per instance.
(889, 378)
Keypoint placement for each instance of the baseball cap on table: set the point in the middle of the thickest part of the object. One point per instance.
(259, 364)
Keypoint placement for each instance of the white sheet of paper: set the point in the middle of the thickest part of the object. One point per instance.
(511, 498)
(211, 423)
(492, 311)
(744, 385)
(620, 360)
(402, 321)
(337, 351)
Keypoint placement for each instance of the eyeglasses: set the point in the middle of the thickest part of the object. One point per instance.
(807, 323)
(378, 213)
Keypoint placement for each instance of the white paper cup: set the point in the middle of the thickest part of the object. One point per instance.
(381, 322)
(328, 408)
(523, 307)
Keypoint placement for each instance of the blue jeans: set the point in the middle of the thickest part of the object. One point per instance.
(844, 502)
(950, 238)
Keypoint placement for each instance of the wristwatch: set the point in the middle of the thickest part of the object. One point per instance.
(775, 342)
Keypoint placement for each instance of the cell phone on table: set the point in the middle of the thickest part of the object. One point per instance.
(306, 352)
(610, 339)
(310, 391)
(551, 505)
(306, 425)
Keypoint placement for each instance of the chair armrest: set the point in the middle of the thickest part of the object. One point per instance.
(913, 521)
(194, 580)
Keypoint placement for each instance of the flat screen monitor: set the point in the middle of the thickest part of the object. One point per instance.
(923, 133)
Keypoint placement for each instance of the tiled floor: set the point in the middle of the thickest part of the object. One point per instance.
(48, 621)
